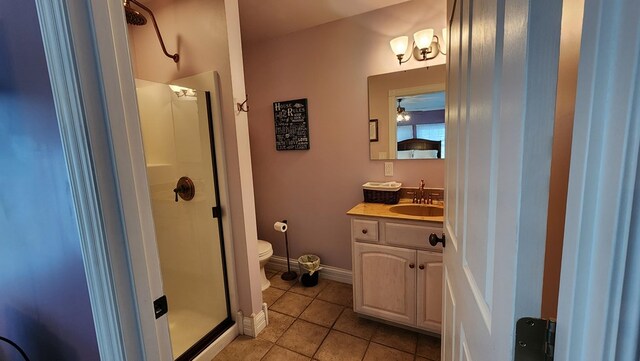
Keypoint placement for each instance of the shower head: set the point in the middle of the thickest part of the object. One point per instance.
(133, 17)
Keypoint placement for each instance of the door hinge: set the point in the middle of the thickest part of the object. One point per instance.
(160, 306)
(216, 211)
(535, 339)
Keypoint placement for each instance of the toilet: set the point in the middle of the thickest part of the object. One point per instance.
(265, 251)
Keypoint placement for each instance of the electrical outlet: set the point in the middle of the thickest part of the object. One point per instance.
(388, 169)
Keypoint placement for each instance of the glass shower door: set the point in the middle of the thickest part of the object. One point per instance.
(178, 143)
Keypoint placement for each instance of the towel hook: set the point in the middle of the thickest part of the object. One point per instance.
(243, 107)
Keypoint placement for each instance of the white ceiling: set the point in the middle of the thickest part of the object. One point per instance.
(264, 19)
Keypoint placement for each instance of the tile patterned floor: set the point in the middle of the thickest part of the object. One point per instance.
(318, 323)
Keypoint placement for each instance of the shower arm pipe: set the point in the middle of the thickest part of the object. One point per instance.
(175, 56)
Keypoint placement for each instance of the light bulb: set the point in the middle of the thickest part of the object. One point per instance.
(423, 38)
(399, 45)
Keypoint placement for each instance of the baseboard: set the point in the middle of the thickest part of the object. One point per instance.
(278, 263)
(212, 350)
(254, 324)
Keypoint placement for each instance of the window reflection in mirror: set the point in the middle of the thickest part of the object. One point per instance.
(410, 109)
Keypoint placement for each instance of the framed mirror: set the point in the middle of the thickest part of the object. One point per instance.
(408, 108)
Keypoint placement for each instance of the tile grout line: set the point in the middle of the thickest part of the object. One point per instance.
(367, 350)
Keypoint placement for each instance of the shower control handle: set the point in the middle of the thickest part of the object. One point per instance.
(185, 189)
(181, 189)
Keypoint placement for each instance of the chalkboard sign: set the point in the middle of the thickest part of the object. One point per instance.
(292, 124)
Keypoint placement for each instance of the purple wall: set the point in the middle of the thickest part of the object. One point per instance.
(426, 117)
(44, 302)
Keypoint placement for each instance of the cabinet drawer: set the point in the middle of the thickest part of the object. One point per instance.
(364, 230)
(411, 235)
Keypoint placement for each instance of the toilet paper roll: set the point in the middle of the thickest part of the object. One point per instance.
(280, 227)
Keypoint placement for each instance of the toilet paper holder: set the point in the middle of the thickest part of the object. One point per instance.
(282, 227)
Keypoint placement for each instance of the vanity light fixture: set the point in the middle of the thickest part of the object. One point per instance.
(402, 115)
(426, 46)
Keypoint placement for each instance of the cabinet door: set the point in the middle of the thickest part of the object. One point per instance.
(429, 290)
(384, 282)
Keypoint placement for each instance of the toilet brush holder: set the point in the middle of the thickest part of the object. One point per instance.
(289, 275)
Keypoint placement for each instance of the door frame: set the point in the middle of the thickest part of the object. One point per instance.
(599, 293)
(94, 95)
(87, 51)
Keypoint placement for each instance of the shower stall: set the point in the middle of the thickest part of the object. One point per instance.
(179, 144)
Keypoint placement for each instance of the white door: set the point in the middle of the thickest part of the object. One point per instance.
(500, 103)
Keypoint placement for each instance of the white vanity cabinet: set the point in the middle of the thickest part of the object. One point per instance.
(397, 274)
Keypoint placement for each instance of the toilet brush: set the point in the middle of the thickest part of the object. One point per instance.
(289, 275)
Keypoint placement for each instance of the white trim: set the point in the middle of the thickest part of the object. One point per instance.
(278, 263)
(265, 309)
(115, 76)
(94, 68)
(254, 324)
(597, 277)
(239, 318)
(416, 90)
(214, 349)
(72, 123)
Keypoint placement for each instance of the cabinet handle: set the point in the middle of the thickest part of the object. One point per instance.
(364, 231)
(411, 265)
(421, 266)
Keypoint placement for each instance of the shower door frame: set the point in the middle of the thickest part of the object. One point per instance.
(208, 82)
(211, 97)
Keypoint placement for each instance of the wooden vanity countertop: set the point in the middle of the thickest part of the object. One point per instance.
(384, 210)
